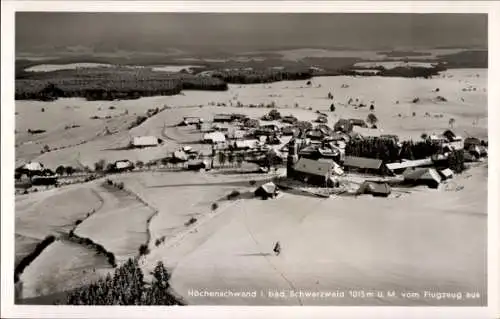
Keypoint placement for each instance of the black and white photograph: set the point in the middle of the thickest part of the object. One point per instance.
(250, 159)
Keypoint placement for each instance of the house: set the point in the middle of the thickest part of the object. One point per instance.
(123, 165)
(450, 136)
(343, 125)
(374, 188)
(33, 167)
(324, 129)
(422, 176)
(314, 134)
(214, 137)
(191, 120)
(222, 118)
(205, 127)
(145, 141)
(400, 167)
(236, 134)
(358, 122)
(180, 156)
(238, 117)
(446, 173)
(30, 169)
(251, 123)
(246, 144)
(268, 190)
(365, 165)
(289, 119)
(289, 130)
(322, 119)
(336, 169)
(313, 172)
(196, 165)
(471, 141)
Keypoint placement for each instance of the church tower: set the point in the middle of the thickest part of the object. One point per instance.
(292, 158)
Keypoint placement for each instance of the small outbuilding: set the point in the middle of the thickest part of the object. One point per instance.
(446, 173)
(365, 165)
(222, 118)
(267, 190)
(123, 165)
(214, 138)
(378, 189)
(422, 176)
(145, 141)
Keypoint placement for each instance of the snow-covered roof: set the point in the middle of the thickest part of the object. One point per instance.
(145, 141)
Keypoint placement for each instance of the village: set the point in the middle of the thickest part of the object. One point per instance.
(348, 157)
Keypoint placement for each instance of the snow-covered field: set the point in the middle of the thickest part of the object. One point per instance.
(392, 98)
(428, 240)
(70, 66)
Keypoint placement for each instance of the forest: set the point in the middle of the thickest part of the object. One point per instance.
(126, 287)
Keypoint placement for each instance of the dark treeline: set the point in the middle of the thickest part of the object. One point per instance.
(126, 287)
(26, 261)
(265, 76)
(389, 151)
(405, 72)
(89, 243)
(108, 84)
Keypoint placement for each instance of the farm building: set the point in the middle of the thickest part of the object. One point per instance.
(222, 118)
(251, 123)
(289, 130)
(446, 173)
(400, 167)
(246, 144)
(123, 165)
(313, 172)
(236, 134)
(314, 134)
(374, 188)
(44, 180)
(145, 141)
(239, 117)
(422, 176)
(471, 141)
(343, 125)
(268, 190)
(289, 119)
(191, 120)
(358, 122)
(197, 165)
(205, 127)
(450, 136)
(365, 165)
(30, 169)
(214, 138)
(33, 166)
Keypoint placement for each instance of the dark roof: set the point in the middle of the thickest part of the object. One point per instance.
(357, 121)
(305, 165)
(375, 188)
(362, 162)
(472, 140)
(222, 116)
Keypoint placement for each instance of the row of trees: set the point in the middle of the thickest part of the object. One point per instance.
(126, 287)
(389, 151)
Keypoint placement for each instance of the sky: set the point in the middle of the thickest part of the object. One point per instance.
(246, 31)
